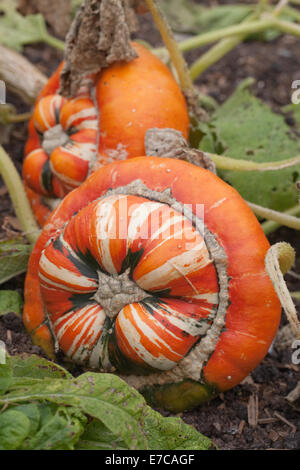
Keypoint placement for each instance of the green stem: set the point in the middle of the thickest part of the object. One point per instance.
(280, 7)
(213, 36)
(295, 295)
(248, 26)
(227, 163)
(172, 46)
(270, 226)
(222, 48)
(286, 27)
(214, 55)
(241, 29)
(54, 42)
(15, 118)
(18, 196)
(231, 36)
(279, 217)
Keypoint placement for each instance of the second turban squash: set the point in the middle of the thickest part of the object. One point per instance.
(69, 138)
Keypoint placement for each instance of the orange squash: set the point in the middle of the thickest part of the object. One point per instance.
(69, 138)
(154, 269)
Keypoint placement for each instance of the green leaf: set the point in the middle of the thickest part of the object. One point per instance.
(47, 411)
(60, 432)
(14, 256)
(161, 433)
(31, 410)
(17, 30)
(57, 407)
(37, 368)
(6, 378)
(250, 130)
(10, 301)
(205, 131)
(14, 428)
(188, 17)
(102, 396)
(173, 434)
(98, 437)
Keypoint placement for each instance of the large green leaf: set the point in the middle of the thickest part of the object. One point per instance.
(98, 437)
(172, 434)
(162, 434)
(104, 397)
(56, 407)
(58, 429)
(14, 256)
(14, 428)
(10, 301)
(59, 432)
(31, 410)
(250, 130)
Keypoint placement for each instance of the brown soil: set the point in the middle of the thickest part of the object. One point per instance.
(274, 65)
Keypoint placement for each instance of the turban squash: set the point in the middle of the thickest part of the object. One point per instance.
(154, 269)
(107, 120)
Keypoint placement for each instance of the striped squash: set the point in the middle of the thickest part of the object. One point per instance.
(154, 269)
(107, 121)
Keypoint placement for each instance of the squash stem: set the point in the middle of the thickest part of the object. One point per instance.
(270, 225)
(227, 163)
(54, 42)
(223, 47)
(16, 118)
(295, 295)
(172, 46)
(280, 218)
(213, 36)
(286, 27)
(18, 196)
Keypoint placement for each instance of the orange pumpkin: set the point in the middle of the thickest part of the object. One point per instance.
(68, 139)
(154, 268)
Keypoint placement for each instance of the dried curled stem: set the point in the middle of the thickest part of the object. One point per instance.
(279, 259)
(98, 37)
